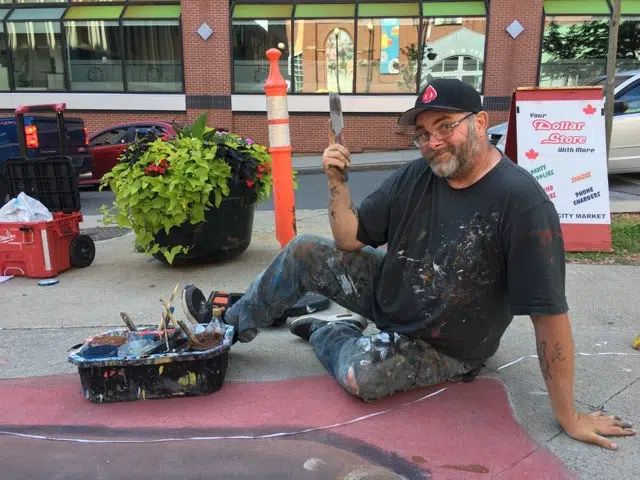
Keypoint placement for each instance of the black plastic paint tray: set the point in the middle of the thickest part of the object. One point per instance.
(111, 378)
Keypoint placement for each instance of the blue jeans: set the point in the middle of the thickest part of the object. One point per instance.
(370, 367)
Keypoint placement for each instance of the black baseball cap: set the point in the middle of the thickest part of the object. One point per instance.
(449, 94)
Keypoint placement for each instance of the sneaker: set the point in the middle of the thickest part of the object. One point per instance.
(195, 305)
(305, 325)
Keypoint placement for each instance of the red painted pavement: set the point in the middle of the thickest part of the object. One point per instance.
(469, 424)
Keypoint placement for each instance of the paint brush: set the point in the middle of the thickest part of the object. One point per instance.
(168, 312)
(187, 331)
(127, 320)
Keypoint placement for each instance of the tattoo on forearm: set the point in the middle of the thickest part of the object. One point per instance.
(544, 362)
(333, 214)
(558, 353)
(353, 209)
(333, 191)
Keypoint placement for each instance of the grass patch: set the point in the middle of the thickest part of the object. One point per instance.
(625, 233)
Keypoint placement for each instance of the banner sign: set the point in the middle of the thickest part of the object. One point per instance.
(558, 135)
(390, 46)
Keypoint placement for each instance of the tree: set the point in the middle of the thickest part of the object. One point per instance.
(578, 52)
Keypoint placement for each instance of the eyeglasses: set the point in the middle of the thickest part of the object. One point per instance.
(443, 132)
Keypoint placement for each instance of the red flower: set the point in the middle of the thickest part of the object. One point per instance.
(261, 168)
(259, 176)
(249, 183)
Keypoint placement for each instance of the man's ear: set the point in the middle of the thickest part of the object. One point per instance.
(482, 122)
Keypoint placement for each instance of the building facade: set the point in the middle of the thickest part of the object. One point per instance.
(132, 60)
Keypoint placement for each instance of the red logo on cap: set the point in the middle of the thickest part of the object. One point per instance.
(429, 95)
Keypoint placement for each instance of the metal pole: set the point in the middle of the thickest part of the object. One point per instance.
(611, 71)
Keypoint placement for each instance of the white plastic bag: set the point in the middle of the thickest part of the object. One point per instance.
(24, 209)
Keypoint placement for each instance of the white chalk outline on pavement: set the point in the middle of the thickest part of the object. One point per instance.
(229, 437)
(578, 353)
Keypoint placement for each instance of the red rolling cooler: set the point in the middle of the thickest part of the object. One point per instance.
(46, 248)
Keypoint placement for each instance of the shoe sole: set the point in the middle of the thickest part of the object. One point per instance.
(350, 317)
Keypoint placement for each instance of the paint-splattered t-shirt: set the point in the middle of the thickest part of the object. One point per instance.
(461, 263)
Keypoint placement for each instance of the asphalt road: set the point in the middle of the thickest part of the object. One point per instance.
(312, 192)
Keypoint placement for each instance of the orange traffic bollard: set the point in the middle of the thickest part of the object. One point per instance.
(280, 149)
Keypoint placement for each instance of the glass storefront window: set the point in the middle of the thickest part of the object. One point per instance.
(4, 61)
(94, 56)
(323, 56)
(388, 55)
(36, 48)
(250, 41)
(574, 50)
(153, 53)
(454, 50)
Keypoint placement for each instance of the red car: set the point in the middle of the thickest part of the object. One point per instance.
(106, 146)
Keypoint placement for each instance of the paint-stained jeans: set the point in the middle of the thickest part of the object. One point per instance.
(370, 367)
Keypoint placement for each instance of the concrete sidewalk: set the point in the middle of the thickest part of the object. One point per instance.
(39, 325)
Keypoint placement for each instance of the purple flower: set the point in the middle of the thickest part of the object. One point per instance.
(249, 141)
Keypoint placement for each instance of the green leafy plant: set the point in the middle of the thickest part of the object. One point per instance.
(160, 184)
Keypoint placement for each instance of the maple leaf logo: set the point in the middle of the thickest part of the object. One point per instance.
(589, 109)
(531, 154)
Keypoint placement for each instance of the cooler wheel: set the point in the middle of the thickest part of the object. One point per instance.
(82, 251)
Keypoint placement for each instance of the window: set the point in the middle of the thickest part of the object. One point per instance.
(4, 56)
(327, 50)
(454, 50)
(36, 48)
(576, 41)
(94, 49)
(377, 47)
(574, 50)
(632, 97)
(388, 55)
(117, 135)
(153, 48)
(251, 39)
(149, 130)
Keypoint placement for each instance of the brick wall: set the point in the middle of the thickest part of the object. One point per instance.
(512, 63)
(207, 62)
(310, 133)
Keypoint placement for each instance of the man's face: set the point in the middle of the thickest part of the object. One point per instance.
(448, 157)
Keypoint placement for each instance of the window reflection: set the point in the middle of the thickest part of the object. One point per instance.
(153, 56)
(454, 49)
(4, 62)
(323, 56)
(95, 62)
(388, 55)
(37, 55)
(251, 40)
(575, 49)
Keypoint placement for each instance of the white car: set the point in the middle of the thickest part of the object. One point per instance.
(625, 136)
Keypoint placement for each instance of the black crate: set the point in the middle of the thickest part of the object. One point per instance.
(53, 182)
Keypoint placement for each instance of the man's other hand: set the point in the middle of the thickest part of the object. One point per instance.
(596, 427)
(335, 160)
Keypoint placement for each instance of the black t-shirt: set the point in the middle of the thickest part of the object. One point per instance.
(461, 263)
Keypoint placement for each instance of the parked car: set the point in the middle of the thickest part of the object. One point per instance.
(625, 134)
(42, 140)
(107, 145)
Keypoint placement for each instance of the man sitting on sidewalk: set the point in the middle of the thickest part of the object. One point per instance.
(472, 240)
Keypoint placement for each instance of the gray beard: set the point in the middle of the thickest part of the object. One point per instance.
(458, 163)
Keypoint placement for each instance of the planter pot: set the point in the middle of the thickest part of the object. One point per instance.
(225, 233)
